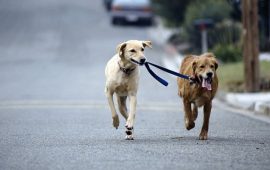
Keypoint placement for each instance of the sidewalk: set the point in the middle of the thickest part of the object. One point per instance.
(259, 103)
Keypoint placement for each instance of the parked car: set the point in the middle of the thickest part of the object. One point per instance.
(131, 11)
(107, 4)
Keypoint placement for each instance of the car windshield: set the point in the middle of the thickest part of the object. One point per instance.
(131, 2)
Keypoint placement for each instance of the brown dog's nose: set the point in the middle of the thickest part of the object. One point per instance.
(210, 74)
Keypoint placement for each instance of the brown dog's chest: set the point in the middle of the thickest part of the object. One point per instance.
(201, 96)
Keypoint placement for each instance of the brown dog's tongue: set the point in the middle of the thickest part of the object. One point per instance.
(206, 84)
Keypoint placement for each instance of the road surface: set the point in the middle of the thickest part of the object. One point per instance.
(54, 114)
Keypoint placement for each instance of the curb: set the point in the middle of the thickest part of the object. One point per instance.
(262, 108)
(256, 102)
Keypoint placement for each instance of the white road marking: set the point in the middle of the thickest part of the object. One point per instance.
(64, 104)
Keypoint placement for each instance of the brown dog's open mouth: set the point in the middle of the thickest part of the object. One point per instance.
(206, 83)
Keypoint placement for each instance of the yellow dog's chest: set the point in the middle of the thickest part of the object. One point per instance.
(122, 89)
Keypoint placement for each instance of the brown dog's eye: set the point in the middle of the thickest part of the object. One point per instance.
(142, 49)
(133, 51)
(212, 66)
(202, 66)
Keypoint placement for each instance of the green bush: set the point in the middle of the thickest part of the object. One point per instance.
(225, 32)
(225, 41)
(227, 52)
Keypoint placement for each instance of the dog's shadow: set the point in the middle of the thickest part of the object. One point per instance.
(187, 140)
(218, 140)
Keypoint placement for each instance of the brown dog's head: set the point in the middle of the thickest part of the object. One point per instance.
(132, 51)
(204, 68)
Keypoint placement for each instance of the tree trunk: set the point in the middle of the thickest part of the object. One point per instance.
(251, 45)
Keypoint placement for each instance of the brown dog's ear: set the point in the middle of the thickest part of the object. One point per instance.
(147, 43)
(209, 55)
(120, 49)
(216, 65)
(214, 60)
(194, 65)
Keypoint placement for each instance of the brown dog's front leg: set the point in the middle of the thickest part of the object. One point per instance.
(207, 111)
(188, 115)
(194, 112)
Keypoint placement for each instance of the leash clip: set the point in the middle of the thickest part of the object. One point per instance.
(192, 80)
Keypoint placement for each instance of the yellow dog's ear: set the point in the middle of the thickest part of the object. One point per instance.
(147, 43)
(120, 49)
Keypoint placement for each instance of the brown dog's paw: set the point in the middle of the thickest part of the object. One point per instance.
(115, 121)
(190, 125)
(203, 135)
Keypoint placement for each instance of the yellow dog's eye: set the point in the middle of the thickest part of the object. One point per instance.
(202, 66)
(212, 66)
(142, 49)
(133, 51)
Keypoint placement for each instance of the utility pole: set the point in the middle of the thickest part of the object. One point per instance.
(251, 45)
(203, 25)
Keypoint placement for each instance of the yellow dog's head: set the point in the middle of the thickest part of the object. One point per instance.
(133, 51)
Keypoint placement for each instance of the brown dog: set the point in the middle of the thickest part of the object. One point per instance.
(203, 69)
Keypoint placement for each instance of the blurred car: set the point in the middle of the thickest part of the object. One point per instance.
(107, 4)
(131, 11)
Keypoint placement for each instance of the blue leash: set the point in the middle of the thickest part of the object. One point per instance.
(162, 81)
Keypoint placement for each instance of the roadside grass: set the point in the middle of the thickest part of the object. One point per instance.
(231, 76)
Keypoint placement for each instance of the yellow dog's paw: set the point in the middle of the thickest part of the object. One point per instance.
(115, 121)
(129, 133)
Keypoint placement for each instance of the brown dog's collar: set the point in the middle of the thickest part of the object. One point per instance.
(127, 71)
(195, 79)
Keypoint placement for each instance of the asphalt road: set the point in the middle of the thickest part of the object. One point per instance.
(53, 111)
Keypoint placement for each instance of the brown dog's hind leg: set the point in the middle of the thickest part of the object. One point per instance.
(188, 115)
(204, 132)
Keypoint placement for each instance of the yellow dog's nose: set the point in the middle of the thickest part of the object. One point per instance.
(142, 61)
